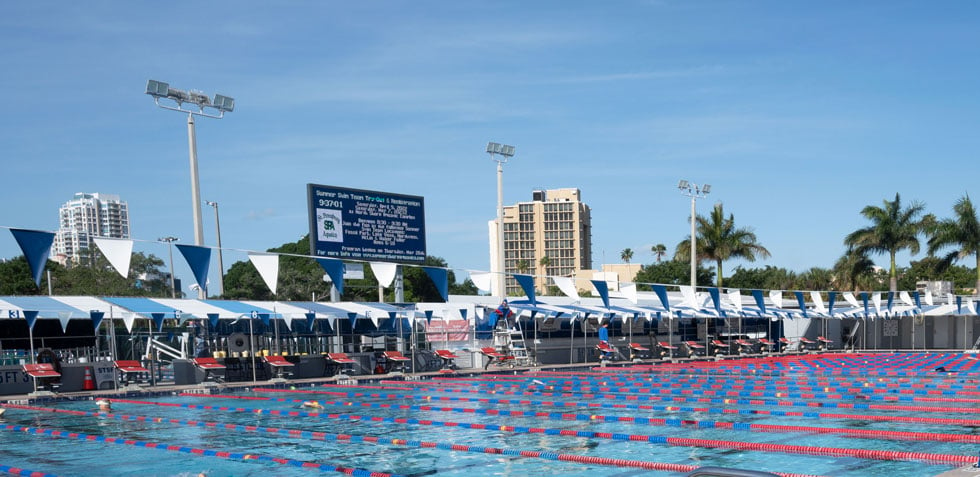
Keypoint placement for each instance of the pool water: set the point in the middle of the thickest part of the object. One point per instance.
(771, 415)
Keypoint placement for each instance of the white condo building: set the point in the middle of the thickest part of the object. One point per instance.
(84, 217)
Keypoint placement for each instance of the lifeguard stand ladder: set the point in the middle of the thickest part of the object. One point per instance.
(510, 340)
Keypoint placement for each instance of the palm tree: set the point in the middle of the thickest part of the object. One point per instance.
(718, 239)
(659, 250)
(853, 271)
(523, 266)
(893, 228)
(626, 255)
(545, 261)
(962, 232)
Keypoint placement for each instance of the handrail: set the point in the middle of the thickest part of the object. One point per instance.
(165, 349)
(710, 471)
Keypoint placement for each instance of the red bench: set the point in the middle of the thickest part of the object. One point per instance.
(448, 358)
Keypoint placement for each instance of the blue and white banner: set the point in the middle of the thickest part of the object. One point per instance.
(602, 288)
(267, 264)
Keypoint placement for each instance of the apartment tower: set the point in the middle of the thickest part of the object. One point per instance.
(555, 224)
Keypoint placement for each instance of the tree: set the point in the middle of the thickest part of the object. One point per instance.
(627, 255)
(768, 278)
(719, 240)
(961, 233)
(853, 271)
(659, 250)
(893, 229)
(523, 266)
(671, 272)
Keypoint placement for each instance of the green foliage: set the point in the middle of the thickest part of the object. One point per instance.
(96, 277)
(893, 228)
(672, 272)
(719, 240)
(959, 235)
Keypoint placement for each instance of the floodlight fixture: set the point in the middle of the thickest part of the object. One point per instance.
(683, 185)
(502, 149)
(706, 188)
(160, 90)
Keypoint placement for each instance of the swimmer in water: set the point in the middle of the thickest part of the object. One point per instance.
(312, 405)
(104, 405)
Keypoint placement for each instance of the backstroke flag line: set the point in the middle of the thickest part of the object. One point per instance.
(118, 252)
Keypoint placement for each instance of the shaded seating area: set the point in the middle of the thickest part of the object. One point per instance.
(209, 366)
(340, 362)
(131, 372)
(495, 357)
(279, 364)
(43, 374)
(448, 359)
(694, 349)
(397, 360)
(638, 351)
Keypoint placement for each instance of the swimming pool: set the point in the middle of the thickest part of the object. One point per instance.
(832, 414)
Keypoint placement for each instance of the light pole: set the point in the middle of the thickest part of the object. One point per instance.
(500, 153)
(695, 192)
(221, 265)
(222, 104)
(170, 250)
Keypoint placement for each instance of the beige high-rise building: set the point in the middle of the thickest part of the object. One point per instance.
(555, 224)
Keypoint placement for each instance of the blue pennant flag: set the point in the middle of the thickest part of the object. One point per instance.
(199, 259)
(310, 318)
(864, 298)
(527, 284)
(760, 300)
(603, 288)
(335, 269)
(96, 317)
(802, 302)
(831, 297)
(440, 277)
(428, 316)
(31, 317)
(716, 299)
(213, 319)
(462, 313)
(264, 317)
(915, 296)
(36, 246)
(891, 300)
(353, 318)
(661, 292)
(158, 320)
(959, 305)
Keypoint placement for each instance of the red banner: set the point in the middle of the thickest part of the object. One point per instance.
(455, 330)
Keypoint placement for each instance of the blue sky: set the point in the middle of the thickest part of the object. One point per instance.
(797, 113)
